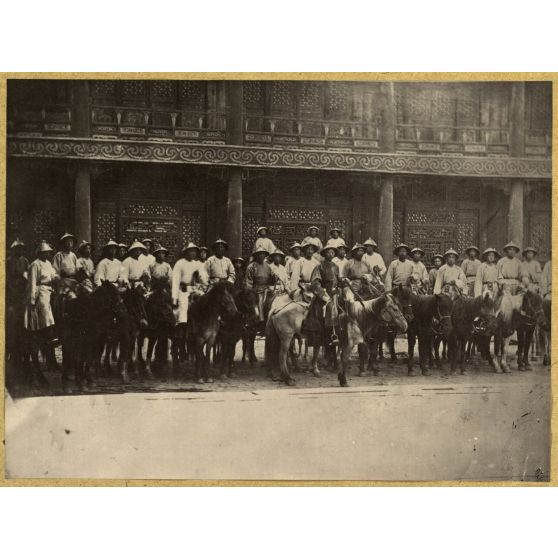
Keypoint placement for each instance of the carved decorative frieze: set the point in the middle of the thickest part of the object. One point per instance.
(268, 157)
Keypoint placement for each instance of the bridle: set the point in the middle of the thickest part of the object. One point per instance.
(439, 319)
(530, 319)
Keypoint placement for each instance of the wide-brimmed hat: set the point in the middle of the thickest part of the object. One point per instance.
(67, 235)
(17, 242)
(417, 249)
(44, 246)
(334, 229)
(328, 246)
(111, 243)
(439, 256)
(450, 252)
(122, 245)
(203, 248)
(238, 259)
(147, 240)
(370, 242)
(160, 249)
(512, 245)
(311, 227)
(136, 244)
(357, 246)
(221, 241)
(472, 247)
(489, 250)
(530, 249)
(399, 246)
(277, 252)
(295, 245)
(262, 228)
(83, 244)
(306, 245)
(341, 245)
(260, 251)
(191, 246)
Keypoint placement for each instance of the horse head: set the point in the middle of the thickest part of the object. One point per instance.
(444, 307)
(247, 304)
(404, 295)
(225, 299)
(134, 299)
(391, 312)
(532, 312)
(487, 313)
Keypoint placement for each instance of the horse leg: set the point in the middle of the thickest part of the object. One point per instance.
(504, 358)
(294, 355)
(200, 361)
(363, 357)
(411, 340)
(373, 349)
(284, 347)
(425, 352)
(345, 355)
(392, 353)
(529, 334)
(462, 351)
(151, 339)
(315, 353)
(110, 350)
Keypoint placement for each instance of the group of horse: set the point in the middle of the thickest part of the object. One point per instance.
(111, 324)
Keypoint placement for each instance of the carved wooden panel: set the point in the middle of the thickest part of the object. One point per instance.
(192, 226)
(397, 229)
(253, 94)
(104, 223)
(251, 220)
(467, 230)
(133, 92)
(540, 232)
(538, 106)
(192, 94)
(47, 225)
(103, 89)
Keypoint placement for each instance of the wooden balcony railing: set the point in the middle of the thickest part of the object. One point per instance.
(309, 133)
(156, 123)
(33, 120)
(452, 139)
(538, 142)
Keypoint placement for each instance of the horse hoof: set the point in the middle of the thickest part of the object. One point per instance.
(426, 373)
(412, 373)
(521, 368)
(546, 361)
(125, 378)
(342, 380)
(362, 374)
(316, 373)
(209, 380)
(223, 376)
(528, 367)
(66, 390)
(231, 375)
(201, 381)
(377, 373)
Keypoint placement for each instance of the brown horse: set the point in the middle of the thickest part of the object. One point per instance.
(284, 323)
(203, 324)
(364, 320)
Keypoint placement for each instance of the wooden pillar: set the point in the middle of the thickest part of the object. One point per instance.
(82, 182)
(235, 136)
(517, 149)
(385, 219)
(82, 200)
(515, 211)
(387, 139)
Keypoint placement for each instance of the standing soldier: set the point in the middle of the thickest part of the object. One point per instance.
(530, 269)
(279, 271)
(510, 268)
(108, 269)
(437, 261)
(238, 264)
(335, 239)
(86, 265)
(309, 262)
(450, 274)
(263, 242)
(373, 259)
(470, 266)
(293, 266)
(16, 271)
(399, 270)
(487, 273)
(132, 270)
(313, 238)
(160, 269)
(342, 261)
(146, 258)
(122, 251)
(419, 274)
(259, 277)
(65, 262)
(38, 316)
(546, 280)
(219, 267)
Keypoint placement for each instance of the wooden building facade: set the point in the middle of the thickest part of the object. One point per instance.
(432, 164)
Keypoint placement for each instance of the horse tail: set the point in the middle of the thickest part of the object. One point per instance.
(271, 351)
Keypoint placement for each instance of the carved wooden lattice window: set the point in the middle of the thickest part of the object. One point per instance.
(310, 99)
(192, 94)
(104, 228)
(163, 91)
(250, 224)
(253, 94)
(339, 100)
(539, 105)
(540, 230)
(397, 230)
(290, 224)
(192, 225)
(46, 225)
(133, 92)
(103, 89)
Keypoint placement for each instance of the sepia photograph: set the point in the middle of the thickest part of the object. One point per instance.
(278, 279)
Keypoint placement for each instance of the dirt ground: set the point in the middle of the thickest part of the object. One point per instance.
(255, 377)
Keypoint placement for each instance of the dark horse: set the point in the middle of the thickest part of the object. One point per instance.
(429, 313)
(237, 327)
(203, 324)
(161, 327)
(470, 316)
(86, 321)
(529, 317)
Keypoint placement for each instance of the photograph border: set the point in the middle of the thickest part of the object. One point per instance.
(382, 159)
